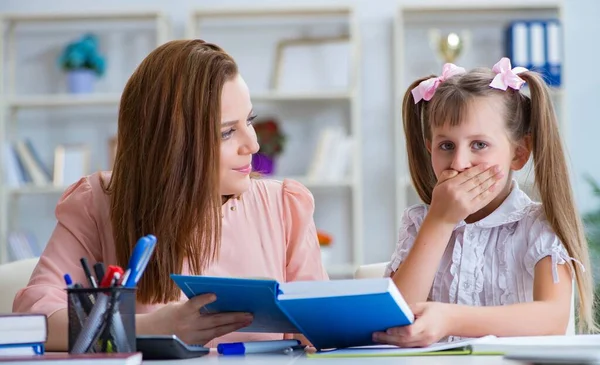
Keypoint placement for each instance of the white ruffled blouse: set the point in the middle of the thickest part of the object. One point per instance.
(489, 262)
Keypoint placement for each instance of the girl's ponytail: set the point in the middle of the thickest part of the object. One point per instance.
(553, 184)
(419, 161)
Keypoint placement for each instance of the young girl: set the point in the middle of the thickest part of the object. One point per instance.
(480, 257)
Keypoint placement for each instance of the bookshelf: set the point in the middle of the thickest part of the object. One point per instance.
(304, 112)
(15, 103)
(486, 23)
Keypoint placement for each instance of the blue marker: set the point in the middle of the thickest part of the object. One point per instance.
(255, 347)
(139, 260)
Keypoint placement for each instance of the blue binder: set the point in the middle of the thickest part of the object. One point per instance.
(330, 314)
(537, 45)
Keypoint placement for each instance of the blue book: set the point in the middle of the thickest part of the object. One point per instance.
(22, 349)
(330, 314)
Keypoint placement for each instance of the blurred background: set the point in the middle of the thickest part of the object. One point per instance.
(326, 79)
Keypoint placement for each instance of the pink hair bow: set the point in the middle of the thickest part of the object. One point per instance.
(426, 88)
(507, 77)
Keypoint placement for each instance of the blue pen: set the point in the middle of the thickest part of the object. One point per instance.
(79, 311)
(139, 260)
(255, 347)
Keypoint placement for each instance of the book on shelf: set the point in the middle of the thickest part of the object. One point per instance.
(23, 165)
(333, 155)
(23, 245)
(325, 312)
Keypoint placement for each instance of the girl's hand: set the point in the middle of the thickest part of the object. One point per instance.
(432, 323)
(458, 195)
(184, 320)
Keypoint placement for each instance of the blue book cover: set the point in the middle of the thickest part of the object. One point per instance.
(330, 314)
(256, 296)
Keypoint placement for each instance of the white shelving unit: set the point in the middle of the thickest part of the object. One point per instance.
(347, 189)
(486, 21)
(12, 103)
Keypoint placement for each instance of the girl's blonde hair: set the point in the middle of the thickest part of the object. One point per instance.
(532, 116)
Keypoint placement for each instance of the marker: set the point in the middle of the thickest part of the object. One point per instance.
(290, 350)
(87, 301)
(88, 273)
(109, 275)
(99, 270)
(255, 347)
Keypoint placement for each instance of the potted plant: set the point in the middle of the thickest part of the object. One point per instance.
(271, 141)
(325, 240)
(83, 63)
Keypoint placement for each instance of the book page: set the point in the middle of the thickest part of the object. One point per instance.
(333, 288)
(461, 347)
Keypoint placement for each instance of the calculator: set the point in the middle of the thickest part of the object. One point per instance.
(167, 347)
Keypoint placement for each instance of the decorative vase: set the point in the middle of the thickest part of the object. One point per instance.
(263, 164)
(81, 81)
(326, 254)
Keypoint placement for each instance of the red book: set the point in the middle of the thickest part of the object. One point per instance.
(62, 357)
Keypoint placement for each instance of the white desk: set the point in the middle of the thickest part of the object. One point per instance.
(300, 358)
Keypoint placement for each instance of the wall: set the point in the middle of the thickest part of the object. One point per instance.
(582, 79)
(377, 93)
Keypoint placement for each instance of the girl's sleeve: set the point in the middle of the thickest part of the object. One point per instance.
(409, 227)
(543, 242)
(303, 253)
(75, 236)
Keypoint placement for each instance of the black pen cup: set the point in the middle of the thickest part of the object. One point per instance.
(101, 320)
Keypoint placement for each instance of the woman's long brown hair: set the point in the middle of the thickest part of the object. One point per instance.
(525, 116)
(165, 179)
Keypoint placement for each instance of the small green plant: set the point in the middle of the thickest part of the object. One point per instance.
(591, 221)
(83, 54)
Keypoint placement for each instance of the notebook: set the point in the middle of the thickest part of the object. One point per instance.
(487, 345)
(330, 314)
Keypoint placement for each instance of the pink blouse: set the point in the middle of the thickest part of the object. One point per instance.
(268, 232)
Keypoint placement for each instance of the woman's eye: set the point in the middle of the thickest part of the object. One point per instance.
(479, 145)
(227, 134)
(251, 119)
(446, 146)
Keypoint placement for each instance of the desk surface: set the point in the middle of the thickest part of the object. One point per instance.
(300, 358)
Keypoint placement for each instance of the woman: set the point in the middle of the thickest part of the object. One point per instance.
(182, 173)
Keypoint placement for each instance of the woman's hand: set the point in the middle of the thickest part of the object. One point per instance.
(184, 320)
(432, 323)
(458, 195)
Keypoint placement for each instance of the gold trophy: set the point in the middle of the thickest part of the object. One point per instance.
(449, 46)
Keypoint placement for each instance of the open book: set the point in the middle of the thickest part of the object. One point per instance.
(488, 345)
(330, 314)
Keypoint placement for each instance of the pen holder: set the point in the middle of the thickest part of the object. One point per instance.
(101, 320)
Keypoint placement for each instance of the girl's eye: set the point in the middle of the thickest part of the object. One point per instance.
(227, 134)
(251, 119)
(479, 145)
(446, 146)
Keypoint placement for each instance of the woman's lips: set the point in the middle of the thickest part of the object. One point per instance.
(244, 169)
